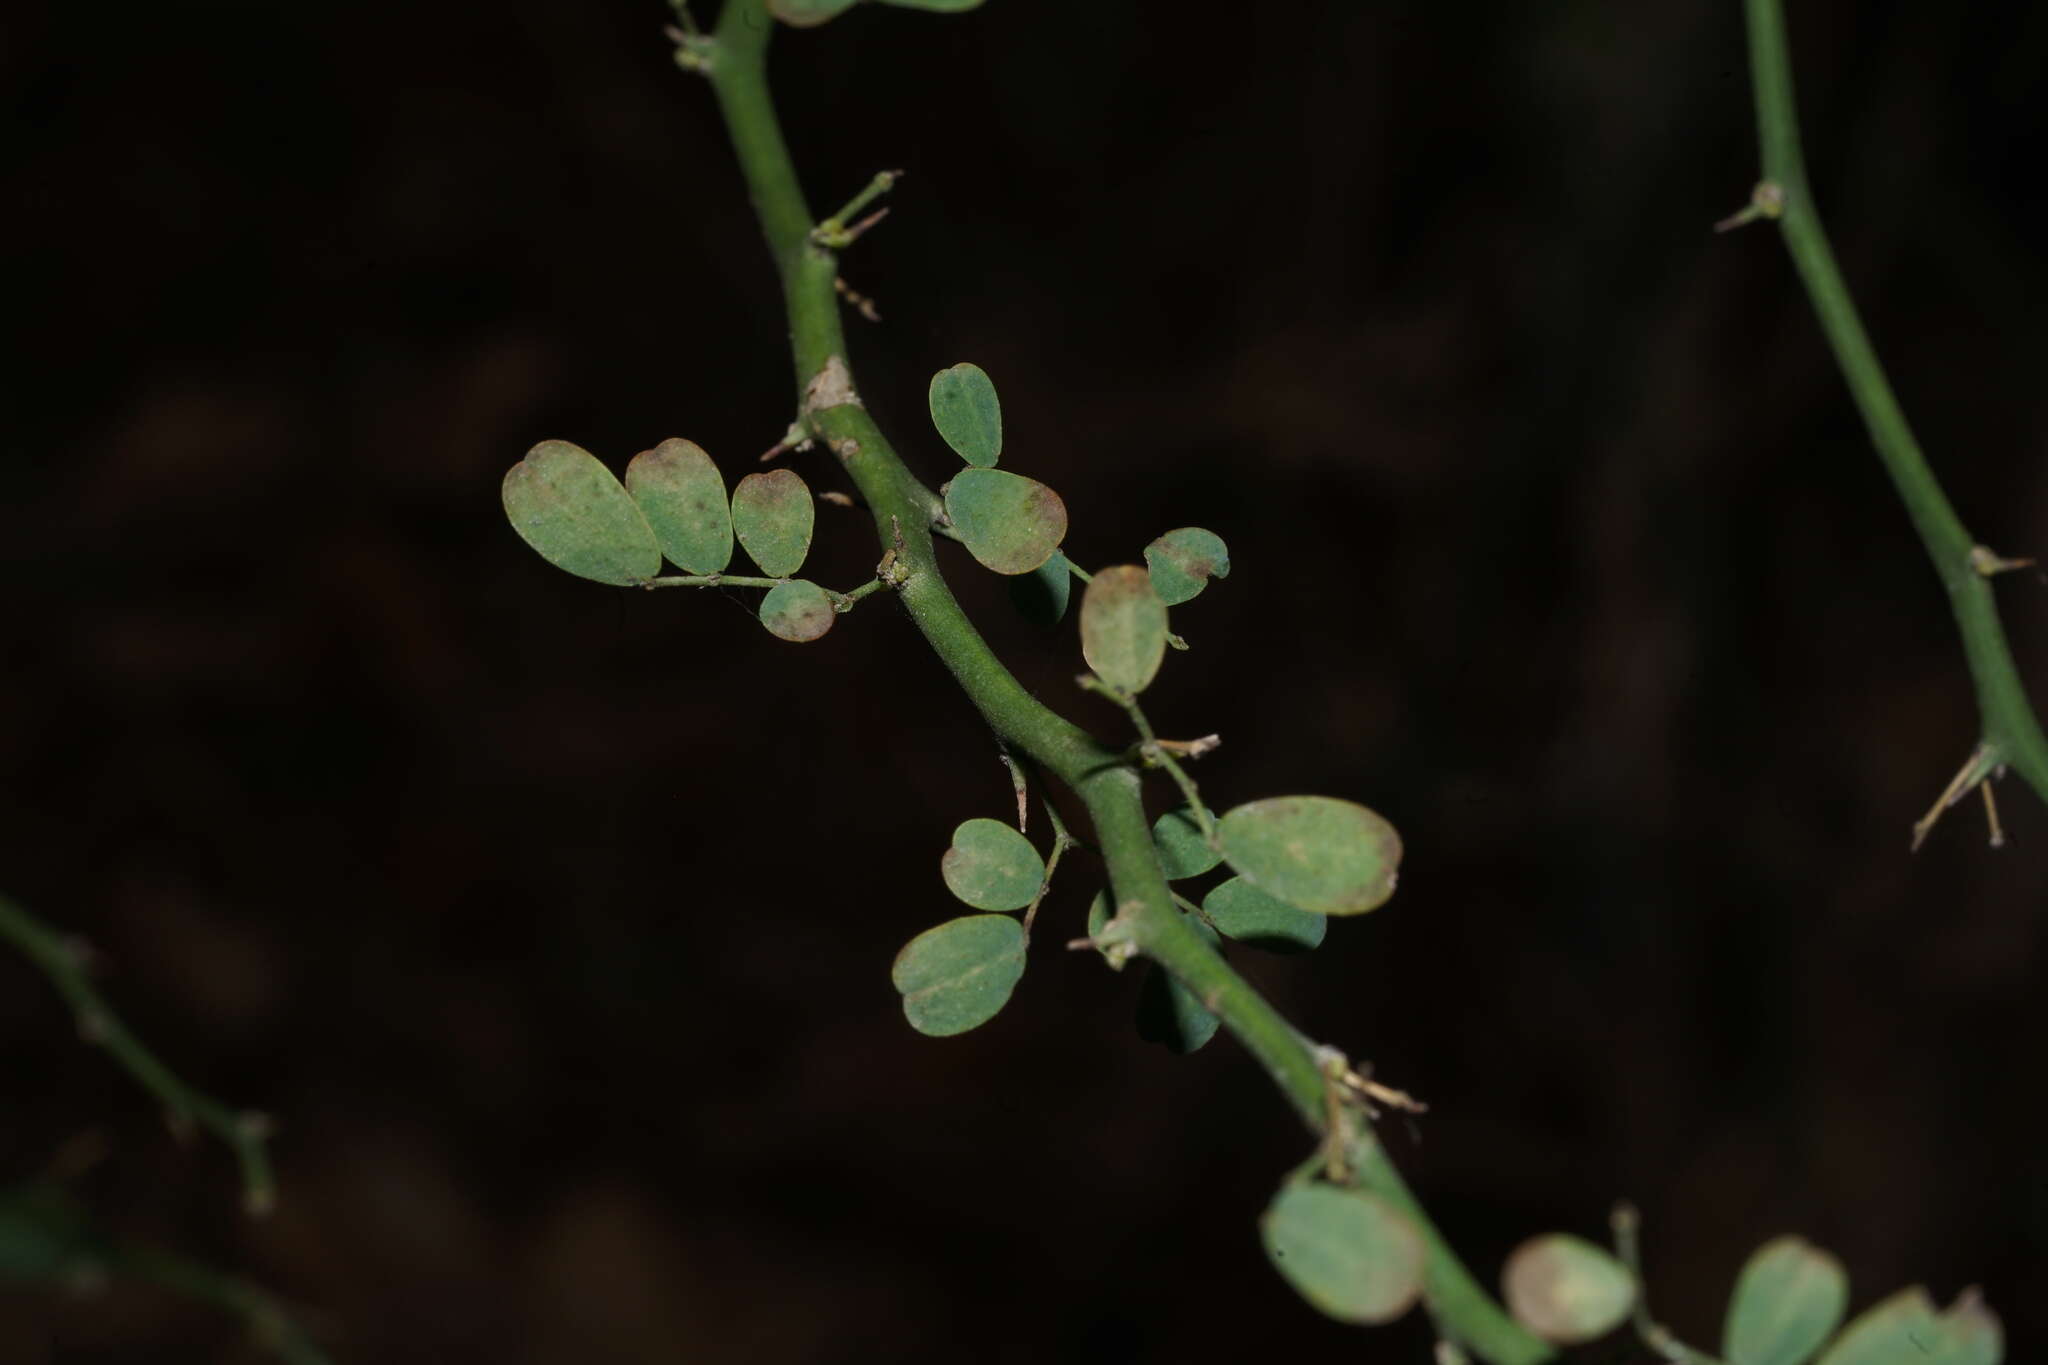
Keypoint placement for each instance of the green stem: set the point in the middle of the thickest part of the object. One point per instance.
(63, 961)
(712, 580)
(903, 507)
(2010, 730)
(269, 1322)
(1653, 1334)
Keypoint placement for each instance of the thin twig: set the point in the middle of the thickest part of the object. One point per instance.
(63, 961)
(2010, 732)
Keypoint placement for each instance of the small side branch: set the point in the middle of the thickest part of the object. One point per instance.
(833, 234)
(63, 960)
(1627, 1247)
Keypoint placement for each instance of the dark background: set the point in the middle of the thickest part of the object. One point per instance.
(553, 922)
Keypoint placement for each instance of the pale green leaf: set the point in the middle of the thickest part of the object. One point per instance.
(1123, 628)
(991, 866)
(772, 514)
(1349, 1253)
(798, 611)
(1788, 1300)
(1314, 852)
(682, 495)
(967, 413)
(1041, 596)
(959, 975)
(1241, 911)
(1182, 562)
(565, 504)
(1905, 1329)
(1566, 1290)
(807, 13)
(1009, 523)
(1168, 1012)
(1183, 852)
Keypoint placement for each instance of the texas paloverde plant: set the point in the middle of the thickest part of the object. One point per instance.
(1343, 1229)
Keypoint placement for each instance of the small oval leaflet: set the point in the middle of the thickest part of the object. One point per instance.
(565, 504)
(772, 514)
(1183, 852)
(798, 611)
(1241, 911)
(967, 413)
(1566, 1290)
(1315, 852)
(1123, 628)
(1041, 596)
(682, 495)
(809, 13)
(1788, 1300)
(959, 975)
(992, 867)
(1349, 1253)
(1169, 1013)
(1009, 523)
(1905, 1329)
(1182, 562)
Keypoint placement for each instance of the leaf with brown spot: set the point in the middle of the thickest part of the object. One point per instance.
(798, 611)
(1123, 628)
(1182, 562)
(1009, 523)
(1315, 852)
(681, 493)
(773, 515)
(1566, 1290)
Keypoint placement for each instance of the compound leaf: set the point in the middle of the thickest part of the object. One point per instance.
(1182, 562)
(1566, 1290)
(1788, 1300)
(1315, 852)
(565, 504)
(1183, 852)
(1349, 1253)
(967, 413)
(1169, 1013)
(992, 867)
(682, 495)
(1123, 627)
(798, 611)
(772, 514)
(959, 975)
(1041, 596)
(1241, 911)
(1009, 523)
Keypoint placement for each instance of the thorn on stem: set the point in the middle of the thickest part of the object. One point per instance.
(1991, 815)
(796, 438)
(1988, 564)
(1767, 200)
(1979, 766)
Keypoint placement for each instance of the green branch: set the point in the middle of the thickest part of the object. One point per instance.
(63, 961)
(2011, 734)
(830, 408)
